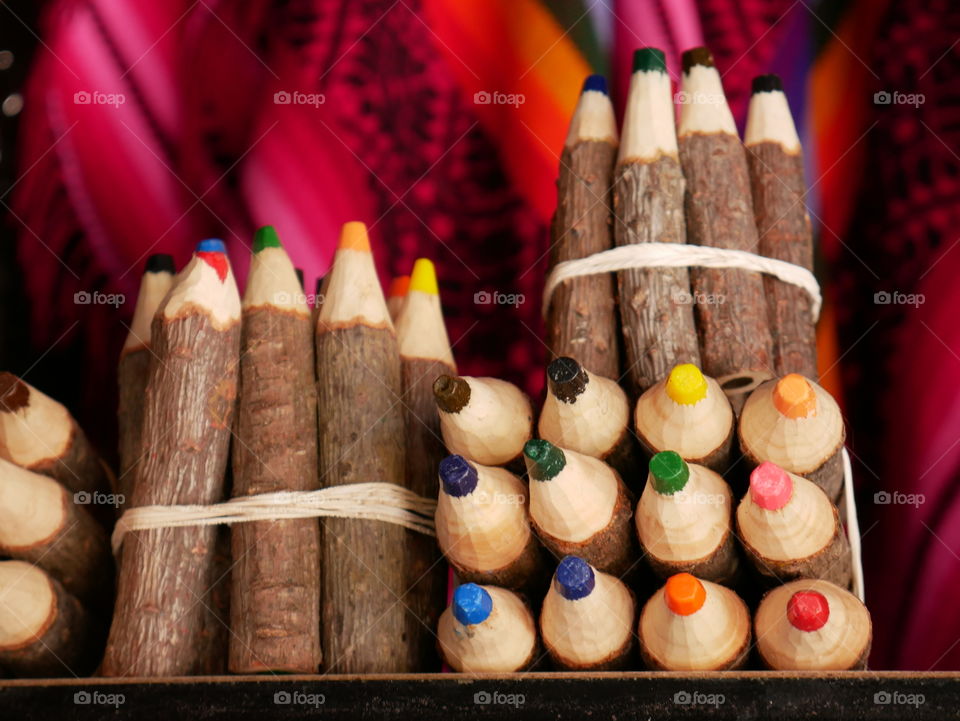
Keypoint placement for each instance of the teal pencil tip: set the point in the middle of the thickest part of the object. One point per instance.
(648, 59)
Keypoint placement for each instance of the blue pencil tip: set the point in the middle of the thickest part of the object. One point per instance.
(458, 477)
(471, 604)
(595, 82)
(574, 578)
(211, 245)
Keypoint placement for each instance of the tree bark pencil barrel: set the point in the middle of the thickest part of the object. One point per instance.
(275, 583)
(731, 309)
(161, 625)
(778, 187)
(582, 318)
(132, 371)
(424, 355)
(366, 627)
(656, 312)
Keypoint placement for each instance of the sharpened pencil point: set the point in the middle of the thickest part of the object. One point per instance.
(266, 237)
(353, 236)
(451, 393)
(595, 82)
(770, 486)
(808, 610)
(544, 460)
(684, 594)
(457, 476)
(686, 385)
(160, 263)
(649, 59)
(669, 471)
(697, 56)
(574, 578)
(567, 379)
(213, 252)
(794, 397)
(471, 604)
(423, 279)
(766, 84)
(211, 245)
(399, 286)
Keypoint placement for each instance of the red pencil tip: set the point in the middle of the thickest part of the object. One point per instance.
(217, 261)
(808, 610)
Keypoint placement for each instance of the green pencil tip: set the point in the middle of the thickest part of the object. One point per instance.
(669, 472)
(266, 237)
(647, 59)
(544, 460)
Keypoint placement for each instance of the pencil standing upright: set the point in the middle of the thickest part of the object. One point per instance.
(275, 593)
(582, 319)
(777, 183)
(655, 303)
(735, 340)
(361, 439)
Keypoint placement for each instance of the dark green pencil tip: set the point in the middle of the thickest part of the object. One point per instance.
(669, 472)
(544, 460)
(647, 59)
(266, 237)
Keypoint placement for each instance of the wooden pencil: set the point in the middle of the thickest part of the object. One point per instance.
(684, 521)
(134, 366)
(694, 625)
(167, 576)
(275, 588)
(40, 523)
(656, 311)
(397, 295)
(44, 631)
(483, 526)
(587, 619)
(424, 354)
(589, 414)
(731, 310)
(361, 439)
(486, 420)
(687, 412)
(487, 629)
(39, 434)
(579, 506)
(812, 625)
(796, 424)
(775, 161)
(582, 318)
(789, 529)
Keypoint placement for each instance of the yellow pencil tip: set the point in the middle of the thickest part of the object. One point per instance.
(686, 385)
(424, 277)
(353, 236)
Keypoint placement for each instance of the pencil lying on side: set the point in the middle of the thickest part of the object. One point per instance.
(731, 307)
(582, 320)
(796, 424)
(424, 354)
(361, 440)
(580, 507)
(39, 434)
(487, 629)
(812, 625)
(587, 619)
(134, 365)
(275, 586)
(483, 526)
(167, 575)
(775, 161)
(688, 413)
(589, 414)
(694, 625)
(44, 631)
(396, 295)
(790, 529)
(655, 309)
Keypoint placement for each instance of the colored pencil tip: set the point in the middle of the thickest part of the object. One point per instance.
(647, 59)
(451, 393)
(458, 478)
(544, 460)
(14, 393)
(266, 237)
(566, 379)
(686, 385)
(669, 472)
(684, 594)
(353, 236)
(211, 245)
(595, 82)
(160, 263)
(794, 397)
(471, 604)
(399, 286)
(808, 610)
(213, 252)
(697, 56)
(574, 578)
(766, 84)
(423, 279)
(770, 486)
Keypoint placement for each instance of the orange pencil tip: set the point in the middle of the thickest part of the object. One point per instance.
(684, 594)
(794, 397)
(399, 286)
(353, 236)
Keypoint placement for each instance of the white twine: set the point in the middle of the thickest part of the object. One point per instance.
(386, 502)
(680, 255)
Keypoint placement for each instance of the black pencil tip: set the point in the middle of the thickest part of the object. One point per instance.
(766, 84)
(159, 263)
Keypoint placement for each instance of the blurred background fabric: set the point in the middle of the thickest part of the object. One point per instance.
(138, 128)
